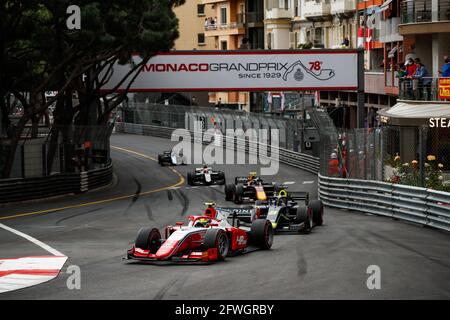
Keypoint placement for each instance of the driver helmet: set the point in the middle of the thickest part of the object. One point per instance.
(202, 223)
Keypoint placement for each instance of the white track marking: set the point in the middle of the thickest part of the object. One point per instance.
(308, 182)
(288, 183)
(33, 240)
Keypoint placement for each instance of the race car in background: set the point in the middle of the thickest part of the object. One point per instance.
(171, 158)
(205, 176)
(206, 238)
(251, 188)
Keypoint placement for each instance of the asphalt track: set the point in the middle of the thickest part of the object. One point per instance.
(95, 229)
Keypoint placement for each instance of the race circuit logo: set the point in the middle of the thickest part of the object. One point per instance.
(315, 71)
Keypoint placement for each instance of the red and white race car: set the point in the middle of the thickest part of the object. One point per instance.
(206, 238)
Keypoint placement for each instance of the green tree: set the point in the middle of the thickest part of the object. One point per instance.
(38, 53)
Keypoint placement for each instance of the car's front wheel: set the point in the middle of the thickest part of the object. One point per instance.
(148, 239)
(217, 238)
(261, 234)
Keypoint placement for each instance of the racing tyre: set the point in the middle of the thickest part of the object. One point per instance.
(261, 234)
(190, 178)
(222, 178)
(239, 194)
(317, 209)
(159, 160)
(304, 215)
(148, 239)
(229, 192)
(217, 238)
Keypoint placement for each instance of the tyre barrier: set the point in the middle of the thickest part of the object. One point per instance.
(14, 190)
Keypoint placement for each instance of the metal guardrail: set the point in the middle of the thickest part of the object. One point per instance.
(299, 160)
(420, 205)
(13, 190)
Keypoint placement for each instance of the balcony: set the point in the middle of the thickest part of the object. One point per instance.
(342, 6)
(316, 10)
(278, 13)
(421, 11)
(425, 89)
(232, 28)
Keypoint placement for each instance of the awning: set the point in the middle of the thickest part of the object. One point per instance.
(414, 113)
(391, 53)
(377, 9)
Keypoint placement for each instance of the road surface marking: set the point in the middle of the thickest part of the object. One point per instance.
(288, 183)
(44, 246)
(308, 182)
(25, 272)
(130, 196)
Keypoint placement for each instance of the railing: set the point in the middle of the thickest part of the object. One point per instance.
(299, 160)
(423, 89)
(13, 190)
(423, 206)
(419, 11)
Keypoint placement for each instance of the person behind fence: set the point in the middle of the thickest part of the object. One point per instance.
(424, 81)
(402, 73)
(445, 72)
(411, 70)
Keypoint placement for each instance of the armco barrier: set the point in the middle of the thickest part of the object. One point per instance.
(13, 190)
(299, 160)
(423, 206)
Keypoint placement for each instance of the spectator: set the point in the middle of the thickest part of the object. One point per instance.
(424, 81)
(410, 84)
(206, 23)
(446, 68)
(345, 42)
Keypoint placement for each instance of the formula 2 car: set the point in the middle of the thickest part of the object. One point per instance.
(205, 176)
(171, 158)
(206, 238)
(288, 212)
(249, 188)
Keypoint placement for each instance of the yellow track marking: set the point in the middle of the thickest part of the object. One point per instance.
(81, 205)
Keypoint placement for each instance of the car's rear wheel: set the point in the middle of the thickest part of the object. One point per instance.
(239, 194)
(229, 192)
(304, 215)
(222, 178)
(317, 209)
(190, 178)
(148, 239)
(261, 234)
(217, 238)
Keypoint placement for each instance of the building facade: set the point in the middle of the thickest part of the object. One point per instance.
(191, 16)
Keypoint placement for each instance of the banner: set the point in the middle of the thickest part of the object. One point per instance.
(243, 71)
(444, 88)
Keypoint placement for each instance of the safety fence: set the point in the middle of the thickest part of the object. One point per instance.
(420, 205)
(299, 160)
(13, 190)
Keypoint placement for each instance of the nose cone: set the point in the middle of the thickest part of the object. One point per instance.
(261, 195)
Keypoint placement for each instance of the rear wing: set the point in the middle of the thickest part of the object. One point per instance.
(299, 196)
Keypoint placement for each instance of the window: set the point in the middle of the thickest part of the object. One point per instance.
(201, 9)
(223, 45)
(223, 15)
(201, 39)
